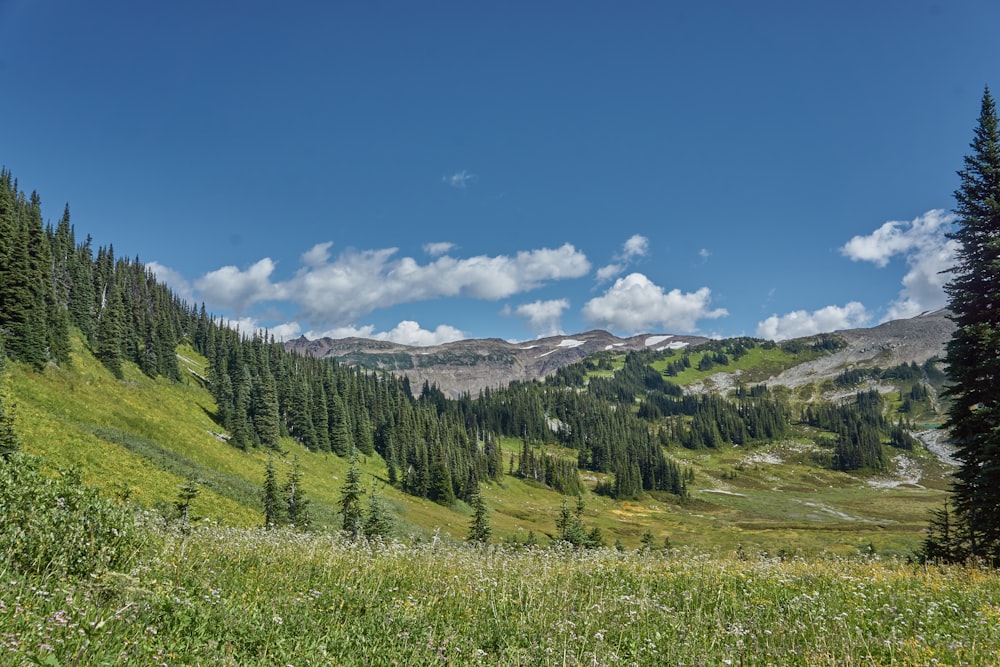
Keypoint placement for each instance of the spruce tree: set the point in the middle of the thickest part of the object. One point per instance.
(350, 498)
(296, 503)
(479, 530)
(378, 521)
(273, 509)
(973, 353)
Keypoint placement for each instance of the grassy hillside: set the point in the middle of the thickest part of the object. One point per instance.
(142, 438)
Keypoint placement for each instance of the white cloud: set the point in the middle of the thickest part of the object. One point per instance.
(172, 279)
(802, 323)
(543, 317)
(317, 255)
(704, 254)
(927, 251)
(406, 332)
(236, 290)
(459, 179)
(436, 249)
(286, 331)
(637, 245)
(338, 291)
(606, 273)
(634, 303)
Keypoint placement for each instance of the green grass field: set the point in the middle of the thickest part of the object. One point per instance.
(773, 560)
(142, 438)
(233, 596)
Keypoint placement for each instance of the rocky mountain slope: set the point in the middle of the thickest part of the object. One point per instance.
(472, 365)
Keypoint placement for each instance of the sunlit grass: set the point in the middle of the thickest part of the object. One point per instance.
(253, 597)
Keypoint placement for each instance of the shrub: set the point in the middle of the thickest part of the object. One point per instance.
(58, 525)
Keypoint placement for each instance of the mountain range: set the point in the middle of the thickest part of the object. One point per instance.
(468, 366)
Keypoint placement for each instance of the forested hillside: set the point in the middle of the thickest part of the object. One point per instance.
(625, 425)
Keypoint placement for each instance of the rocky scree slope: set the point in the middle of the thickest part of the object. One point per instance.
(473, 365)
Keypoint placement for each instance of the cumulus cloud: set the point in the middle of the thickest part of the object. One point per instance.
(338, 291)
(543, 317)
(634, 303)
(802, 323)
(317, 255)
(459, 180)
(606, 273)
(406, 332)
(437, 249)
(172, 279)
(236, 290)
(637, 245)
(927, 252)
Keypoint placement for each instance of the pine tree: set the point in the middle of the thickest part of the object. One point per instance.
(973, 353)
(266, 419)
(479, 530)
(296, 503)
(182, 506)
(273, 509)
(378, 520)
(350, 498)
(110, 328)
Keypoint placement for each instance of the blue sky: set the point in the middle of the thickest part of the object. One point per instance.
(425, 171)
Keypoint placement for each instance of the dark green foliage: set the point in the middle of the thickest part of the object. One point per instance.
(571, 529)
(378, 521)
(55, 524)
(274, 509)
(858, 426)
(946, 540)
(294, 496)
(557, 473)
(186, 494)
(973, 353)
(479, 529)
(351, 511)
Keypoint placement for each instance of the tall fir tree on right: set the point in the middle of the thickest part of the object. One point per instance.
(973, 353)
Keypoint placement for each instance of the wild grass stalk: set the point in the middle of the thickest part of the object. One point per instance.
(258, 597)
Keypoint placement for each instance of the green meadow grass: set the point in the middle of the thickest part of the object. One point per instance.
(142, 439)
(235, 596)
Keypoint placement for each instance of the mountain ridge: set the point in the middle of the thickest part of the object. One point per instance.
(473, 364)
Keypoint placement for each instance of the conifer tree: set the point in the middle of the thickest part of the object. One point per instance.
(378, 520)
(110, 331)
(296, 503)
(182, 506)
(266, 419)
(479, 530)
(350, 498)
(973, 353)
(273, 508)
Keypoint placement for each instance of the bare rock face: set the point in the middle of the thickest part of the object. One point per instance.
(468, 366)
(916, 339)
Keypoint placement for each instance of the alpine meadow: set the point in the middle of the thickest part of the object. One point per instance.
(175, 490)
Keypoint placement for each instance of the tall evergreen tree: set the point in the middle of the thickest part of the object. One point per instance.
(479, 529)
(273, 509)
(350, 498)
(378, 520)
(973, 353)
(296, 503)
